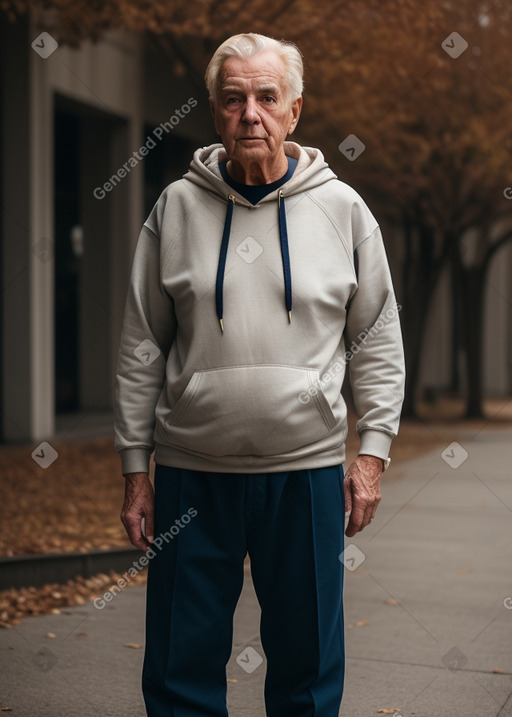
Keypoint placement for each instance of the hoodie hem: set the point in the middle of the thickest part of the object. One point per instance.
(176, 458)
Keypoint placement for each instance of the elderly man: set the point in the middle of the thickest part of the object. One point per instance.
(257, 278)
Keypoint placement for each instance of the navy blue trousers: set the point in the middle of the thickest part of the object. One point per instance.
(292, 525)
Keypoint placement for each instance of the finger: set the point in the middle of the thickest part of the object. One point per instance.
(352, 528)
(133, 529)
(375, 503)
(356, 519)
(150, 525)
(348, 507)
(351, 531)
(367, 518)
(370, 511)
(347, 490)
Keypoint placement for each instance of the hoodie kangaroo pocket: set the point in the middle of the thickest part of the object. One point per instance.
(249, 410)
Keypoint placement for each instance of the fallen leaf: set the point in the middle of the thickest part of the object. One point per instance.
(5, 709)
(51, 635)
(463, 571)
(360, 623)
(132, 645)
(497, 671)
(392, 601)
(389, 712)
(81, 634)
(232, 680)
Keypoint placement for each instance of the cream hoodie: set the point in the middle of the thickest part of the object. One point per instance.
(264, 393)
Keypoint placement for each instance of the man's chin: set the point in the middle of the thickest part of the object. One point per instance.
(244, 146)
(250, 159)
(251, 149)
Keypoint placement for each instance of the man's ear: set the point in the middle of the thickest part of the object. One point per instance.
(296, 110)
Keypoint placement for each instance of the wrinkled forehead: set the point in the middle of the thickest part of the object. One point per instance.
(264, 70)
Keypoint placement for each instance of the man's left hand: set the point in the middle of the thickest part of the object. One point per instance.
(362, 492)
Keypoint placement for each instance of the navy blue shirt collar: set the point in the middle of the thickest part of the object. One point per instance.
(255, 192)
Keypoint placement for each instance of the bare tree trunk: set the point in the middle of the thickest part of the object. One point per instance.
(456, 383)
(420, 275)
(473, 296)
(414, 317)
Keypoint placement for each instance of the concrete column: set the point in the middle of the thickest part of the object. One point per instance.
(27, 230)
(42, 282)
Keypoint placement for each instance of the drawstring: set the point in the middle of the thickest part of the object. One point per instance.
(222, 260)
(283, 238)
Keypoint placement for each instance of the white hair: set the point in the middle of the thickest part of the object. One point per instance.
(248, 45)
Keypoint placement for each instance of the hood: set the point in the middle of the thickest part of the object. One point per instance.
(311, 171)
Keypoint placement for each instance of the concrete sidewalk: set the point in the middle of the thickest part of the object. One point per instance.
(428, 611)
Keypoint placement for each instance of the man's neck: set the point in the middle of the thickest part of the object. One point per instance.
(255, 173)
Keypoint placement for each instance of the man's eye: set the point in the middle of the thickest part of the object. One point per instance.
(232, 100)
(269, 99)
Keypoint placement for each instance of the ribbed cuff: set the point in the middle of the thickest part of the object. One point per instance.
(135, 460)
(375, 443)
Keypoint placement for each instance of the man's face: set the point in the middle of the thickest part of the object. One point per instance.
(252, 112)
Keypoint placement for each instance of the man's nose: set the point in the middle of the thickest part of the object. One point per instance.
(250, 113)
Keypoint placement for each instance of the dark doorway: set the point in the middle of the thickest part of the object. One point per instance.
(67, 260)
(91, 254)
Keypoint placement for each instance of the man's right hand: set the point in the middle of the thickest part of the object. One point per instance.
(139, 503)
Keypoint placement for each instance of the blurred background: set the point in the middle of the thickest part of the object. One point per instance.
(83, 88)
(103, 104)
